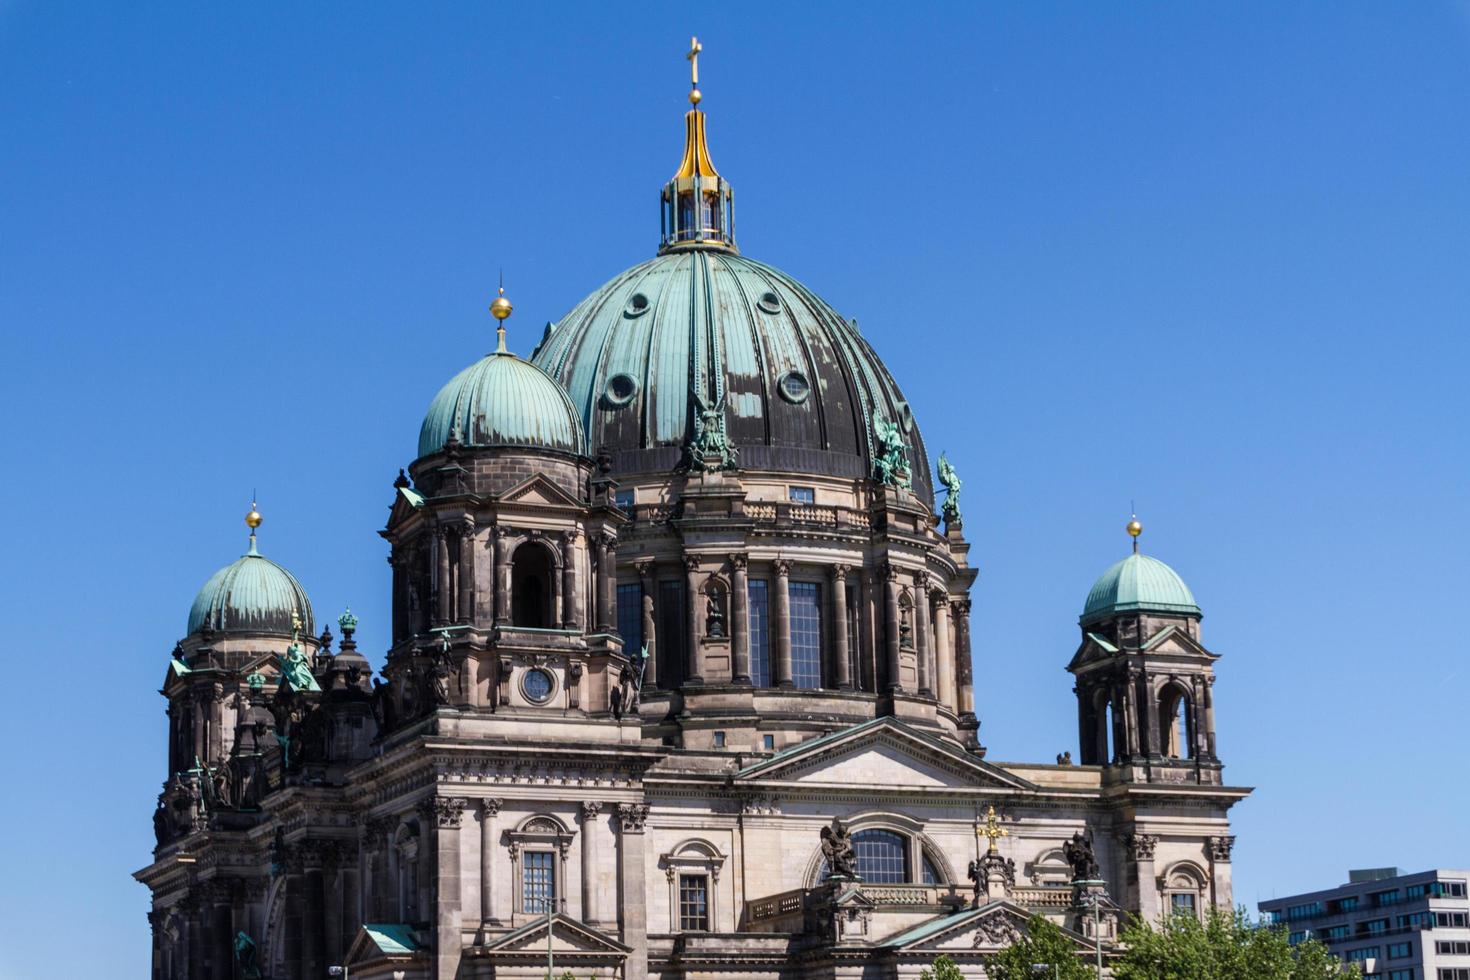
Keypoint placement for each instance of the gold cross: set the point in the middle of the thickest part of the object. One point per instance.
(694, 48)
(991, 829)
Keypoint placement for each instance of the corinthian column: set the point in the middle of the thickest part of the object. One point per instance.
(740, 619)
(633, 888)
(963, 666)
(891, 631)
(840, 650)
(467, 571)
(590, 912)
(943, 651)
(782, 616)
(570, 620)
(489, 819)
(925, 646)
(694, 672)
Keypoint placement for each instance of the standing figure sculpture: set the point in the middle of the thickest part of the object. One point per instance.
(891, 467)
(838, 851)
(950, 480)
(1079, 854)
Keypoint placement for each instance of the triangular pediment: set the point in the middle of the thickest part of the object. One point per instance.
(1173, 641)
(388, 943)
(985, 930)
(406, 502)
(538, 489)
(568, 938)
(880, 753)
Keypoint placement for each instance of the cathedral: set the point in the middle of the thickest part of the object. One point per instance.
(681, 683)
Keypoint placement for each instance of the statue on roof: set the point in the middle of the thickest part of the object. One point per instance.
(891, 465)
(950, 480)
(709, 450)
(1079, 854)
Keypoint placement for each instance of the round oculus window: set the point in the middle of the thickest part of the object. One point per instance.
(794, 387)
(906, 416)
(769, 302)
(637, 306)
(537, 685)
(620, 389)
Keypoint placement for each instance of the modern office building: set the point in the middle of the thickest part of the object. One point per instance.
(1396, 926)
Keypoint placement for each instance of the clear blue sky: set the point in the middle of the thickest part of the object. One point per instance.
(1211, 258)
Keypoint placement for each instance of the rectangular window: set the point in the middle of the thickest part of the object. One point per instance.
(630, 618)
(1416, 891)
(624, 500)
(1381, 899)
(806, 634)
(719, 740)
(1348, 904)
(1335, 933)
(694, 903)
(1449, 920)
(1401, 974)
(1397, 951)
(670, 634)
(759, 601)
(768, 742)
(1362, 953)
(1307, 911)
(1448, 948)
(803, 495)
(538, 882)
(1454, 973)
(1182, 903)
(1375, 927)
(1296, 937)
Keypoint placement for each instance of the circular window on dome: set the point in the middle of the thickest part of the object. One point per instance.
(906, 416)
(769, 302)
(794, 387)
(637, 306)
(620, 389)
(537, 685)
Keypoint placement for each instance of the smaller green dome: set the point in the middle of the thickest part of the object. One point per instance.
(1139, 582)
(501, 400)
(251, 595)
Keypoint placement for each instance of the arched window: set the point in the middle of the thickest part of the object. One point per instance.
(531, 587)
(1176, 721)
(930, 874)
(882, 857)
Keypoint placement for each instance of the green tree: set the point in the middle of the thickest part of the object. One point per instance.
(1225, 946)
(1044, 953)
(944, 969)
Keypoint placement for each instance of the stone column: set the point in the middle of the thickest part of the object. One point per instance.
(650, 630)
(502, 575)
(489, 819)
(440, 545)
(963, 664)
(590, 912)
(1142, 887)
(868, 646)
(447, 812)
(467, 571)
(841, 650)
(570, 616)
(1130, 716)
(782, 617)
(694, 672)
(1209, 699)
(740, 618)
(604, 616)
(891, 627)
(632, 888)
(925, 645)
(943, 652)
(1151, 721)
(1220, 885)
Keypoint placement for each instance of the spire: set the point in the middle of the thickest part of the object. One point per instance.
(500, 309)
(253, 520)
(697, 205)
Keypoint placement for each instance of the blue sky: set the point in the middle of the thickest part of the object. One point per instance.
(1211, 258)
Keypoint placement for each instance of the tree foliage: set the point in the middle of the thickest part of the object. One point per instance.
(1225, 946)
(944, 969)
(1044, 945)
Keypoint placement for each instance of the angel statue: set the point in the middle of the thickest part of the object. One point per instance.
(950, 480)
(837, 849)
(891, 467)
(709, 449)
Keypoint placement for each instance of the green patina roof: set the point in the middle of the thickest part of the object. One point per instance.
(392, 938)
(501, 400)
(1138, 582)
(251, 595)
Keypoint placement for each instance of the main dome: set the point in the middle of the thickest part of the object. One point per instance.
(252, 594)
(801, 389)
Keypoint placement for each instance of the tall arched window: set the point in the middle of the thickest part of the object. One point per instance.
(530, 588)
(882, 857)
(1176, 721)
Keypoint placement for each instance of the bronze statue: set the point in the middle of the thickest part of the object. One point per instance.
(1079, 854)
(891, 467)
(714, 621)
(837, 849)
(950, 480)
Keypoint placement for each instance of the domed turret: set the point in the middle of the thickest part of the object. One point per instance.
(251, 595)
(501, 400)
(1138, 583)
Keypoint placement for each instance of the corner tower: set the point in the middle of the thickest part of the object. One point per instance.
(1144, 680)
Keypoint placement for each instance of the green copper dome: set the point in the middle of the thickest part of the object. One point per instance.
(251, 595)
(501, 400)
(799, 389)
(1139, 582)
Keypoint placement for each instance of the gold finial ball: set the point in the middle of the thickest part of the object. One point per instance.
(694, 96)
(500, 309)
(253, 519)
(1134, 528)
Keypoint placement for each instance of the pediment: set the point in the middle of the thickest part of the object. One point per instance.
(880, 753)
(538, 490)
(986, 930)
(406, 502)
(390, 942)
(568, 937)
(1171, 640)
